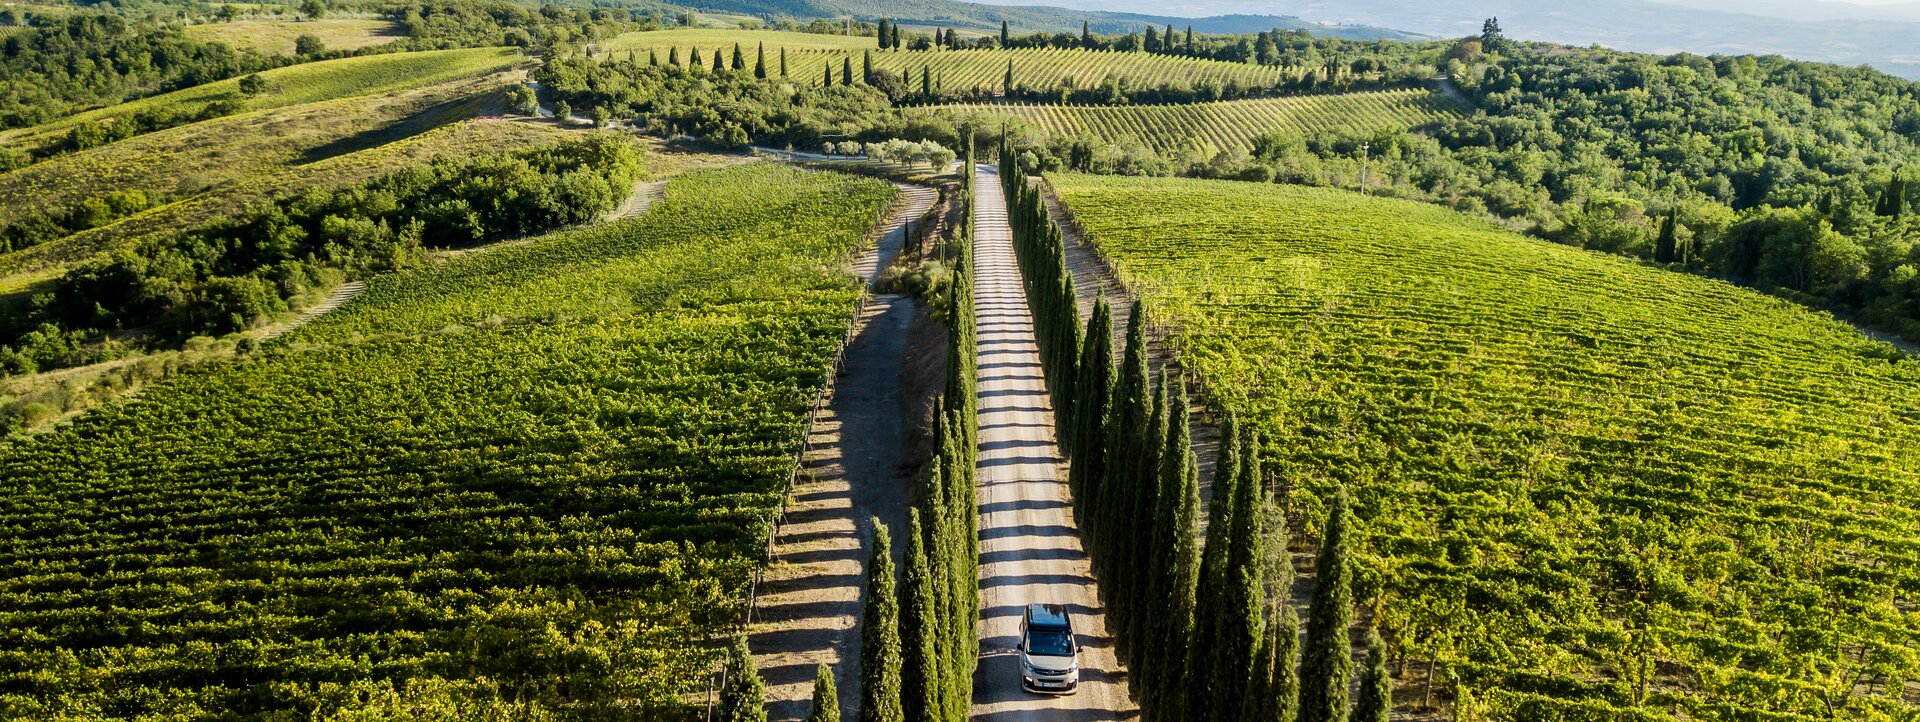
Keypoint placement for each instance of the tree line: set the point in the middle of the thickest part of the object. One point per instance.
(918, 646)
(1206, 622)
(222, 277)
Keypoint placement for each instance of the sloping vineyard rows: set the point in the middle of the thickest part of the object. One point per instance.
(1587, 489)
(966, 69)
(537, 476)
(1208, 128)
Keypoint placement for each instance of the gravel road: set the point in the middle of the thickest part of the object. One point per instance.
(1029, 547)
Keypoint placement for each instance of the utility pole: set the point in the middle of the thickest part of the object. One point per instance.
(1364, 147)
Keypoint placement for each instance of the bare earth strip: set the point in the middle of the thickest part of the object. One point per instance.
(808, 610)
(1030, 550)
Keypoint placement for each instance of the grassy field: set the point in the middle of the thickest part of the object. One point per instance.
(809, 54)
(25, 267)
(541, 473)
(1590, 489)
(303, 83)
(275, 37)
(1208, 128)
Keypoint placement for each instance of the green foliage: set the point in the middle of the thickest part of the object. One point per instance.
(920, 630)
(115, 58)
(1375, 700)
(1236, 642)
(1627, 467)
(1327, 663)
(542, 474)
(880, 654)
(222, 277)
(1166, 679)
(744, 698)
(1213, 611)
(826, 698)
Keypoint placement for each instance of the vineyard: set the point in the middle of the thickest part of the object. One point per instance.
(528, 479)
(1208, 128)
(809, 55)
(1586, 489)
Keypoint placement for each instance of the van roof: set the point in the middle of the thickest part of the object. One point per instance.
(1048, 616)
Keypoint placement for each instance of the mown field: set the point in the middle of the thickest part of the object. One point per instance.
(540, 472)
(299, 84)
(276, 37)
(1591, 489)
(1208, 128)
(808, 55)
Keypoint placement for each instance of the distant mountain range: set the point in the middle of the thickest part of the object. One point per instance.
(1886, 36)
(1027, 19)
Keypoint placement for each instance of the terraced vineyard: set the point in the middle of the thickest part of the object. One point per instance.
(1590, 489)
(530, 478)
(808, 55)
(1208, 128)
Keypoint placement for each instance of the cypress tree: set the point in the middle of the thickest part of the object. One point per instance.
(1006, 39)
(653, 59)
(882, 37)
(1238, 638)
(1327, 663)
(896, 36)
(1166, 40)
(1008, 83)
(673, 57)
(1086, 35)
(783, 62)
(740, 61)
(744, 698)
(826, 698)
(1211, 597)
(694, 60)
(827, 81)
(1095, 391)
(1276, 696)
(926, 83)
(846, 70)
(1129, 409)
(1375, 703)
(719, 61)
(1663, 247)
(760, 62)
(1189, 39)
(1143, 556)
(1178, 566)
(880, 636)
(920, 630)
(866, 67)
(1893, 200)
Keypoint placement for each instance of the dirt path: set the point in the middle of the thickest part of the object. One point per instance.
(643, 196)
(346, 292)
(1030, 550)
(810, 597)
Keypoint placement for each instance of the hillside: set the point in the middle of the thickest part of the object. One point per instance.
(978, 16)
(460, 489)
(1208, 128)
(277, 37)
(1587, 488)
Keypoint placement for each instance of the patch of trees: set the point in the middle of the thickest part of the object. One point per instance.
(222, 277)
(35, 226)
(59, 65)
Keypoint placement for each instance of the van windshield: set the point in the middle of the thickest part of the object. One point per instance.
(1044, 643)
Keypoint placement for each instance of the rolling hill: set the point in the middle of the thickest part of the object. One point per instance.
(1589, 488)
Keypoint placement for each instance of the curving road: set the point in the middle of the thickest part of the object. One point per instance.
(1030, 550)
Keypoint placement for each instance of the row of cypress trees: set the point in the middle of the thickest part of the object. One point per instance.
(1041, 253)
(918, 646)
(1207, 636)
(720, 61)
